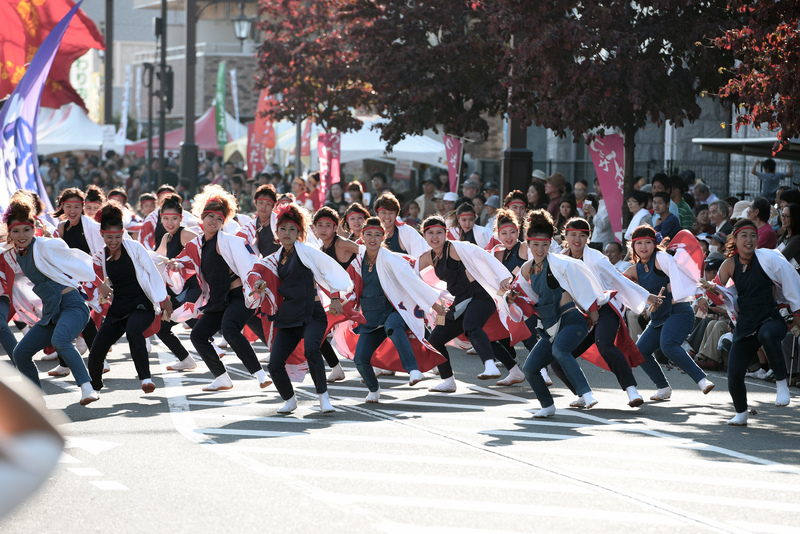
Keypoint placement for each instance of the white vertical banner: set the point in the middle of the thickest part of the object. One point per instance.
(235, 95)
(123, 121)
(139, 125)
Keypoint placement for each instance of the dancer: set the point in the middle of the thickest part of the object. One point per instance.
(671, 323)
(137, 292)
(516, 201)
(152, 230)
(471, 275)
(94, 200)
(389, 294)
(399, 236)
(221, 261)
(343, 251)
(172, 244)
(284, 284)
(56, 272)
(353, 222)
(610, 333)
(83, 233)
(559, 288)
(258, 232)
(463, 227)
(755, 274)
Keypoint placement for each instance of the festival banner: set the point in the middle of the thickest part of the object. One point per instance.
(235, 95)
(329, 151)
(305, 140)
(219, 108)
(453, 147)
(20, 166)
(255, 152)
(265, 132)
(608, 156)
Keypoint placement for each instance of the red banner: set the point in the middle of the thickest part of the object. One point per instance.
(264, 131)
(25, 25)
(329, 150)
(255, 151)
(608, 156)
(453, 149)
(305, 140)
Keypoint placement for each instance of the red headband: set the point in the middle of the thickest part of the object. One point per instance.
(467, 215)
(328, 218)
(742, 228)
(93, 202)
(20, 223)
(516, 201)
(72, 202)
(508, 225)
(640, 238)
(285, 220)
(203, 215)
(434, 226)
(111, 231)
(374, 227)
(548, 239)
(577, 230)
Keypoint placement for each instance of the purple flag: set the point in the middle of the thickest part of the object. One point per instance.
(20, 166)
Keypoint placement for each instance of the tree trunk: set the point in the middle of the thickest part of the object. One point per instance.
(630, 148)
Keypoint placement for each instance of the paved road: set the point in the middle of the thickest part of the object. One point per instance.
(181, 460)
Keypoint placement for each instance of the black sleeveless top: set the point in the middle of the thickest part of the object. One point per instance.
(174, 244)
(469, 237)
(217, 274)
(454, 274)
(511, 259)
(299, 292)
(331, 251)
(128, 294)
(159, 231)
(266, 241)
(393, 242)
(74, 237)
(756, 298)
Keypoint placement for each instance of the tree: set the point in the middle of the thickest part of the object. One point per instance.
(582, 66)
(420, 65)
(765, 83)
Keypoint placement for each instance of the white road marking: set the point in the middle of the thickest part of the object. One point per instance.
(109, 485)
(86, 471)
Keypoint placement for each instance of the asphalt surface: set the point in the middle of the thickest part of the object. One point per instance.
(182, 460)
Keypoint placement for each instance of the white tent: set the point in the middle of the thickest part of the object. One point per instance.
(68, 128)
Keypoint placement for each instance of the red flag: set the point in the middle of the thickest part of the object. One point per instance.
(25, 25)
(453, 150)
(305, 140)
(255, 151)
(688, 254)
(328, 149)
(264, 131)
(608, 156)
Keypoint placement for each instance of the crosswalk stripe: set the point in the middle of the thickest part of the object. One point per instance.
(326, 436)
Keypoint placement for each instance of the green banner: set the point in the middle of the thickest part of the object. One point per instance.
(219, 103)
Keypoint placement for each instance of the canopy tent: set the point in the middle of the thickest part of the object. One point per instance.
(753, 146)
(360, 145)
(68, 128)
(205, 135)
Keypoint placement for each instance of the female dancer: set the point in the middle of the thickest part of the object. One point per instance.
(755, 273)
(399, 236)
(343, 251)
(56, 272)
(221, 261)
(517, 202)
(353, 222)
(136, 291)
(284, 284)
(80, 232)
(559, 288)
(609, 327)
(464, 229)
(671, 323)
(382, 281)
(172, 244)
(468, 271)
(94, 201)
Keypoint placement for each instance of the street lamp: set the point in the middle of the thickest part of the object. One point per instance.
(242, 26)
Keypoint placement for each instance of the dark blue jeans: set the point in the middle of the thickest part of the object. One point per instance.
(770, 336)
(395, 329)
(7, 338)
(669, 336)
(572, 332)
(71, 320)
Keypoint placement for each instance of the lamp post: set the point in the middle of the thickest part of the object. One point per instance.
(242, 25)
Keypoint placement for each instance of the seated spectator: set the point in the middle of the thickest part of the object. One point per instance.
(685, 215)
(702, 221)
(713, 324)
(718, 216)
(759, 213)
(703, 194)
(667, 223)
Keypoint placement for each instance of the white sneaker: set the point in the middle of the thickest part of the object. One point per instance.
(222, 382)
(634, 399)
(106, 367)
(49, 357)
(289, 406)
(662, 394)
(336, 374)
(515, 376)
(88, 394)
(148, 386)
(59, 371)
(578, 403)
(706, 386)
(187, 364)
(589, 400)
(325, 405)
(759, 374)
(80, 344)
(222, 343)
(546, 377)
(219, 351)
(373, 396)
(550, 411)
(382, 372)
(415, 377)
(490, 371)
(264, 380)
(740, 419)
(448, 385)
(782, 397)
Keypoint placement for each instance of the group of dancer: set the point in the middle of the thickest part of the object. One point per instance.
(374, 289)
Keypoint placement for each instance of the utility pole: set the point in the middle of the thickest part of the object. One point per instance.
(162, 93)
(108, 63)
(188, 146)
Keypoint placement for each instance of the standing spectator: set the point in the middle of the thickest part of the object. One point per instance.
(491, 207)
(789, 243)
(579, 191)
(759, 214)
(662, 184)
(702, 224)
(537, 199)
(425, 200)
(479, 203)
(668, 224)
(69, 180)
(718, 216)
(336, 200)
(476, 177)
(444, 182)
(615, 254)
(566, 211)
(554, 188)
(685, 215)
(704, 195)
(471, 188)
(379, 186)
(314, 192)
(449, 201)
(299, 191)
(602, 233)
(490, 189)
(770, 180)
(637, 205)
(356, 192)
(412, 213)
